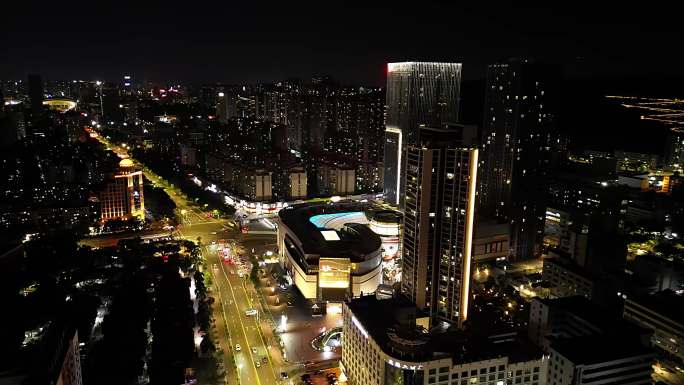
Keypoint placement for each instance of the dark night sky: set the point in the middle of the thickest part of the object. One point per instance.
(234, 41)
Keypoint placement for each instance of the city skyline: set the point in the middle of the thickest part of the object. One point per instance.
(409, 193)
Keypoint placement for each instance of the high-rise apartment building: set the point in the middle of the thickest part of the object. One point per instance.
(518, 139)
(418, 95)
(123, 198)
(226, 104)
(35, 90)
(674, 151)
(441, 178)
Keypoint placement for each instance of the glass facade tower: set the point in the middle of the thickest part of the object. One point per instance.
(419, 94)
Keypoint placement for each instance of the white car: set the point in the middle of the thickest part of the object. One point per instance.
(254, 350)
(257, 364)
(238, 347)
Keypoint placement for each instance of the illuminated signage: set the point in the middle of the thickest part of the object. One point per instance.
(404, 366)
(333, 273)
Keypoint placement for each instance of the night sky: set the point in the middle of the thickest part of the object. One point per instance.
(240, 42)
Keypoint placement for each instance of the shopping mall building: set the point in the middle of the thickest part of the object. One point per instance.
(331, 251)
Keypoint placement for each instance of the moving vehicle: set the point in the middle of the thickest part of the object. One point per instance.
(238, 347)
(254, 350)
(257, 364)
(250, 312)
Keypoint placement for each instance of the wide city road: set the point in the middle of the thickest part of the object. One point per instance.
(233, 295)
(232, 299)
(253, 359)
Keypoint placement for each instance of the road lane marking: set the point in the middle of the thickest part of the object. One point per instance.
(244, 331)
(258, 327)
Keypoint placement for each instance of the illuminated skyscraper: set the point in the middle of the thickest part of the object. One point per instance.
(123, 198)
(441, 177)
(674, 152)
(518, 140)
(418, 95)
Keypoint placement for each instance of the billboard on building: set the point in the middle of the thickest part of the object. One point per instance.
(333, 273)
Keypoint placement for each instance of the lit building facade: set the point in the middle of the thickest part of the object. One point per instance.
(328, 251)
(438, 225)
(384, 341)
(387, 224)
(517, 142)
(419, 94)
(566, 278)
(124, 198)
(675, 149)
(297, 183)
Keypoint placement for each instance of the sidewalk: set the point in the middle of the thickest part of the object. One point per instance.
(268, 325)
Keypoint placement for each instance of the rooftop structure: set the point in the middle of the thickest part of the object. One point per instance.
(387, 338)
(576, 316)
(603, 348)
(329, 250)
(661, 313)
(610, 359)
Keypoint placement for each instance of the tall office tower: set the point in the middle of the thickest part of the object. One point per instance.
(441, 177)
(674, 152)
(518, 140)
(418, 95)
(127, 85)
(123, 198)
(35, 88)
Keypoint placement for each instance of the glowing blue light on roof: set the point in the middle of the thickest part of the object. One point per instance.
(323, 221)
